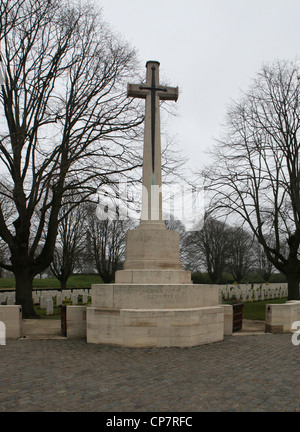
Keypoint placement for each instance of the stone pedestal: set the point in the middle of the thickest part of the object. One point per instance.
(151, 315)
(152, 257)
(154, 302)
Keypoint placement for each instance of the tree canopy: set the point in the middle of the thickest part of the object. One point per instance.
(255, 172)
(65, 123)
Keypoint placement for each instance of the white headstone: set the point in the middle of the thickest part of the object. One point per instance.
(43, 301)
(36, 298)
(58, 299)
(10, 300)
(220, 297)
(49, 306)
(74, 298)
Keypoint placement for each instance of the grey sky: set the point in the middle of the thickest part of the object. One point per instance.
(209, 48)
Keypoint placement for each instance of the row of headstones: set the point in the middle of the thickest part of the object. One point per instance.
(248, 293)
(46, 298)
(8, 297)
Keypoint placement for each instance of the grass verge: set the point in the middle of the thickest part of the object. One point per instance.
(257, 310)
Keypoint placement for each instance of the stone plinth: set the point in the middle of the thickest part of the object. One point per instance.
(150, 315)
(153, 296)
(154, 302)
(156, 327)
(152, 257)
(155, 249)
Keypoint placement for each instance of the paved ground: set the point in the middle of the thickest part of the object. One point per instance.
(245, 372)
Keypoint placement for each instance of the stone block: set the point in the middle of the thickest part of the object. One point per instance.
(76, 321)
(145, 276)
(154, 296)
(228, 319)
(280, 317)
(152, 249)
(11, 316)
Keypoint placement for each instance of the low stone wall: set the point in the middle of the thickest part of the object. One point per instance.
(280, 317)
(11, 316)
(76, 321)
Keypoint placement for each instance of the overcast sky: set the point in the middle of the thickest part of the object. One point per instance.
(210, 49)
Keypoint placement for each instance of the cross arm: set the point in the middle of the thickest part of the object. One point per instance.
(164, 93)
(169, 93)
(134, 90)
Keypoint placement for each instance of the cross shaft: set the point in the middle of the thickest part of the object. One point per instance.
(153, 93)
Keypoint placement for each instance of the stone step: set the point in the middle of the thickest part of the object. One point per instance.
(41, 328)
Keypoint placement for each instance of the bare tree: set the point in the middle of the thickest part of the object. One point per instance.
(107, 243)
(65, 121)
(264, 266)
(208, 248)
(241, 257)
(255, 173)
(70, 244)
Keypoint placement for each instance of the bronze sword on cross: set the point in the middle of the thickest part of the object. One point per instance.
(153, 91)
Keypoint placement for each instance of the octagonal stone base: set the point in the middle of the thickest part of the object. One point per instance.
(137, 328)
(150, 315)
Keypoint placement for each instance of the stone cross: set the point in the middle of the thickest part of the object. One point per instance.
(153, 93)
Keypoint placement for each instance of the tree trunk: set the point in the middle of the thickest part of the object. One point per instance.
(293, 286)
(63, 284)
(24, 285)
(106, 277)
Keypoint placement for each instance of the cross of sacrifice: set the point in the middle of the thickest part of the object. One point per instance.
(153, 93)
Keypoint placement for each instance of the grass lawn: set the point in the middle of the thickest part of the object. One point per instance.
(257, 310)
(76, 281)
(42, 313)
